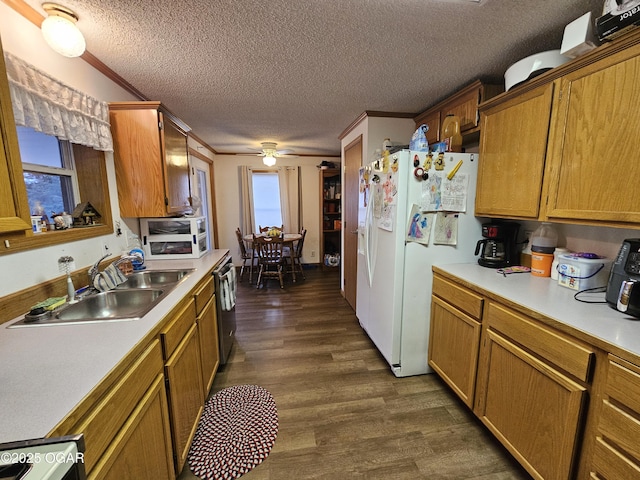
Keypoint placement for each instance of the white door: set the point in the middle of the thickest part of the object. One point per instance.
(201, 188)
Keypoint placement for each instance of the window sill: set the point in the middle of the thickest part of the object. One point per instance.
(29, 240)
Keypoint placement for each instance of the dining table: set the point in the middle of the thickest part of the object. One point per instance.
(288, 239)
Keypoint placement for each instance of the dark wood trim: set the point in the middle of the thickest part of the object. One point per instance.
(202, 142)
(373, 113)
(197, 154)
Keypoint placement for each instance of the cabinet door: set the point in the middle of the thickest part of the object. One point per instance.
(454, 341)
(138, 161)
(594, 147)
(176, 167)
(209, 349)
(431, 120)
(465, 107)
(142, 449)
(513, 144)
(530, 407)
(186, 400)
(14, 208)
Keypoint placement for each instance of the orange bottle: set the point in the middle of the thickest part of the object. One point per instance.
(451, 133)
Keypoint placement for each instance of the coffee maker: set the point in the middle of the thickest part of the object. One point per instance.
(623, 289)
(499, 247)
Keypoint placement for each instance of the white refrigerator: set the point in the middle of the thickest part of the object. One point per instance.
(411, 216)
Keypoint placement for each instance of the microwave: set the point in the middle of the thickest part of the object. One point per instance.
(174, 238)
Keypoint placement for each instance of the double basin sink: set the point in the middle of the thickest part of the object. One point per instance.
(130, 300)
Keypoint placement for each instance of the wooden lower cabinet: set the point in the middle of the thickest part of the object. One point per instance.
(534, 410)
(531, 391)
(616, 454)
(209, 347)
(142, 448)
(184, 388)
(454, 338)
(206, 318)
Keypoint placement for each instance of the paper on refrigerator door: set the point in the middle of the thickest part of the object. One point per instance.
(439, 194)
(419, 228)
(446, 229)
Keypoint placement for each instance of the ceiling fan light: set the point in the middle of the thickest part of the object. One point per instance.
(60, 31)
(269, 160)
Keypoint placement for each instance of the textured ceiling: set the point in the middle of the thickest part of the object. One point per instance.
(298, 72)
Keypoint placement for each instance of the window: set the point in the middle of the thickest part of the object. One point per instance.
(49, 173)
(266, 199)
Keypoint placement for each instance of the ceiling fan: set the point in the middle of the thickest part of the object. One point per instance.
(270, 153)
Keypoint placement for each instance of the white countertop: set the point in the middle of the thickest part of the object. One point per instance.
(598, 322)
(46, 371)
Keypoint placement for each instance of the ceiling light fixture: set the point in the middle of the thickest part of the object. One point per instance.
(269, 151)
(269, 160)
(60, 31)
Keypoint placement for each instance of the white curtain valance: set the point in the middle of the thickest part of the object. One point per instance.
(45, 104)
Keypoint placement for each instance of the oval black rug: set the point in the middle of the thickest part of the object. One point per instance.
(236, 432)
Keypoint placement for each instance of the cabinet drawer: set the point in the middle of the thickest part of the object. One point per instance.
(461, 298)
(105, 420)
(609, 464)
(203, 294)
(620, 428)
(624, 385)
(173, 333)
(557, 349)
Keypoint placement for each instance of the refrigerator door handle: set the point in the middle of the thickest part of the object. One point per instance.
(367, 236)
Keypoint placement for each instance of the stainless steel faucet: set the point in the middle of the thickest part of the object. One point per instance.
(128, 258)
(95, 269)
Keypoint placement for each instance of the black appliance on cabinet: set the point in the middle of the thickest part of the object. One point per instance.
(226, 284)
(499, 247)
(623, 289)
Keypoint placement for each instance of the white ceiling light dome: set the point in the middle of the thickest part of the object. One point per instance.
(60, 31)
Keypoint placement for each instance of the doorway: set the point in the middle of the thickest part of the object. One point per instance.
(353, 162)
(201, 187)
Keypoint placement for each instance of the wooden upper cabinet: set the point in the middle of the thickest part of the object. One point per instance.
(151, 160)
(14, 207)
(463, 103)
(593, 146)
(431, 120)
(513, 145)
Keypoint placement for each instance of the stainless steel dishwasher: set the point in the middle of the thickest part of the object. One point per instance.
(226, 283)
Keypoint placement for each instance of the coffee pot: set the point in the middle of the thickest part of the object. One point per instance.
(499, 246)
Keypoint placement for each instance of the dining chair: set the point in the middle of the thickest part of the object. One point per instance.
(246, 254)
(270, 259)
(297, 255)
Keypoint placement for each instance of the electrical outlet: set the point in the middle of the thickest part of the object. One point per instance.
(313, 253)
(527, 235)
(105, 249)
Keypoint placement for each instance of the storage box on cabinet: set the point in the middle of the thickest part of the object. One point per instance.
(174, 238)
(454, 337)
(617, 450)
(531, 391)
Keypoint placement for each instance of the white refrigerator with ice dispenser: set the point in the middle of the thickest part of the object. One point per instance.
(415, 211)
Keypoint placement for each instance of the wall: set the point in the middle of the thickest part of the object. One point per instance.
(227, 184)
(23, 39)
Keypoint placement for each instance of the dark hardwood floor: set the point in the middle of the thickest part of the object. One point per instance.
(342, 413)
